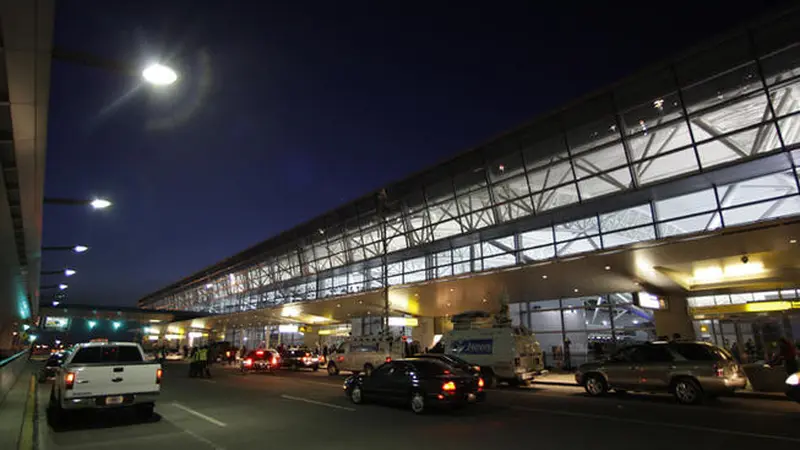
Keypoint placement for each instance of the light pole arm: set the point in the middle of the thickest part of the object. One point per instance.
(66, 201)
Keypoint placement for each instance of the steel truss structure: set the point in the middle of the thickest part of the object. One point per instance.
(616, 168)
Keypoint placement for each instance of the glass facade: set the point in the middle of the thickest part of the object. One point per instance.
(542, 191)
(593, 326)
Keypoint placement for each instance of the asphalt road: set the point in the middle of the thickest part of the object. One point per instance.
(309, 411)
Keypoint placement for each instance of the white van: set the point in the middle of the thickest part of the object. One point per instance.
(364, 353)
(504, 353)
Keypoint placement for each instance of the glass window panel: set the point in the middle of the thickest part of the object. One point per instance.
(395, 280)
(555, 174)
(474, 201)
(685, 205)
(470, 181)
(656, 141)
(786, 98)
(412, 265)
(540, 253)
(682, 162)
(626, 218)
(577, 228)
(600, 160)
(444, 271)
(555, 198)
(587, 137)
(730, 85)
(790, 129)
(443, 211)
(748, 111)
(578, 246)
(445, 229)
(414, 277)
(694, 224)
(786, 294)
(510, 189)
(544, 304)
(661, 110)
(498, 246)
(614, 181)
(625, 237)
(761, 188)
(461, 254)
(545, 321)
(495, 262)
(394, 268)
(544, 152)
(459, 268)
(783, 65)
(506, 167)
(762, 211)
(515, 209)
(700, 302)
(535, 238)
(705, 64)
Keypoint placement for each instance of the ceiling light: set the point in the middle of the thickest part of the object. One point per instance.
(451, 289)
(793, 241)
(575, 290)
(338, 305)
(448, 305)
(608, 267)
(544, 277)
(484, 300)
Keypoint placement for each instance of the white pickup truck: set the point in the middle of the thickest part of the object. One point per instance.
(106, 375)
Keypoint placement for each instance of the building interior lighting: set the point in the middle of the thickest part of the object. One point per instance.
(715, 274)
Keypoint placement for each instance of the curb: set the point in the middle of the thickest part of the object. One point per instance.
(27, 432)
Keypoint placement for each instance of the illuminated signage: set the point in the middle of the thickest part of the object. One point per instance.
(56, 323)
(288, 328)
(650, 301)
(403, 321)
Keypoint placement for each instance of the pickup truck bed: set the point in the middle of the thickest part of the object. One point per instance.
(106, 375)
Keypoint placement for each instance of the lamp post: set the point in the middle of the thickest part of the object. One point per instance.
(66, 248)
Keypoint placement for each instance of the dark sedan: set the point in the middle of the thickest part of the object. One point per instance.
(454, 361)
(421, 383)
(300, 359)
(260, 361)
(51, 366)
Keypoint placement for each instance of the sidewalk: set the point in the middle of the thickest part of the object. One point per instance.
(568, 379)
(16, 424)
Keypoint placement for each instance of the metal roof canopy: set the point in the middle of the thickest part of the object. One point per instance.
(463, 162)
(110, 312)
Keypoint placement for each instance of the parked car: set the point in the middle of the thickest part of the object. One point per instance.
(691, 371)
(100, 375)
(51, 366)
(420, 383)
(793, 387)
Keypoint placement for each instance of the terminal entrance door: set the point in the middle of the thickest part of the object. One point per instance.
(753, 336)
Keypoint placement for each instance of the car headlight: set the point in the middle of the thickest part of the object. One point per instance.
(793, 380)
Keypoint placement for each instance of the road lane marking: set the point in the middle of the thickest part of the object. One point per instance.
(657, 424)
(208, 381)
(203, 440)
(314, 402)
(200, 415)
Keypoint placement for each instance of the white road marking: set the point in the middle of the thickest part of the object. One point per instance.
(200, 415)
(203, 440)
(208, 381)
(314, 402)
(658, 424)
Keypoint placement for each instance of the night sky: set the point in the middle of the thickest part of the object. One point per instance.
(288, 109)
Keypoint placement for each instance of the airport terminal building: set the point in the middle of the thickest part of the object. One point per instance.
(667, 203)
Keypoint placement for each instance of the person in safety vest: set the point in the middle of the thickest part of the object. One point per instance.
(203, 368)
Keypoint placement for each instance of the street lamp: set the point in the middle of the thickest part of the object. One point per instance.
(62, 287)
(67, 272)
(95, 203)
(159, 75)
(71, 248)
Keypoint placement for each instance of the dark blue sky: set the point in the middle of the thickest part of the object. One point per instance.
(289, 109)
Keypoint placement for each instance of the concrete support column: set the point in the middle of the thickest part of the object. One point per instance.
(675, 319)
(424, 332)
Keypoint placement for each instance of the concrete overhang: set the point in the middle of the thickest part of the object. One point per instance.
(26, 30)
(648, 267)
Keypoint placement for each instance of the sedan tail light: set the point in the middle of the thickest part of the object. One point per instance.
(159, 372)
(388, 359)
(248, 362)
(719, 371)
(274, 361)
(449, 386)
(69, 380)
(481, 383)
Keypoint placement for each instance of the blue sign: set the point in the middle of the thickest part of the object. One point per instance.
(473, 346)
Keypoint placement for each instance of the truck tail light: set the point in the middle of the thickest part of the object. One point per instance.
(481, 383)
(274, 361)
(159, 372)
(388, 359)
(69, 380)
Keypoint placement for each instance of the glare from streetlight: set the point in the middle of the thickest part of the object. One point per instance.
(69, 272)
(80, 248)
(62, 286)
(100, 203)
(56, 302)
(159, 75)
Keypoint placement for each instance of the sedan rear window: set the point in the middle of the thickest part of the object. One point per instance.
(107, 354)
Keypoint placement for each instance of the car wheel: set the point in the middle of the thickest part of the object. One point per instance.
(491, 380)
(357, 395)
(332, 369)
(687, 391)
(417, 403)
(368, 369)
(595, 385)
(145, 412)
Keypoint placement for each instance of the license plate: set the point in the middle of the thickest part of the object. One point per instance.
(116, 400)
(527, 376)
(471, 397)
